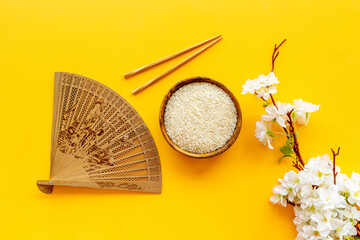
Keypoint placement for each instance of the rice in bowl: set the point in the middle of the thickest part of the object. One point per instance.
(200, 117)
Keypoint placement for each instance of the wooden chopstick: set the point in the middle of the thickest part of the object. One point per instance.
(139, 89)
(132, 73)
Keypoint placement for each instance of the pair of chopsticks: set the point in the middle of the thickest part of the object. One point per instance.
(152, 81)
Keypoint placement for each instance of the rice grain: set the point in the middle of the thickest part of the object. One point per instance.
(200, 117)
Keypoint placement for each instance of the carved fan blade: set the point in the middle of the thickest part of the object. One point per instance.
(99, 140)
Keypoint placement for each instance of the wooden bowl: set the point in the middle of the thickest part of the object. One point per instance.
(200, 155)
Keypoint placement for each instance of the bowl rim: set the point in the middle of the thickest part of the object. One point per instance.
(218, 151)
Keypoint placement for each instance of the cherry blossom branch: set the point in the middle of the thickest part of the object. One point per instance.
(334, 157)
(293, 135)
(273, 58)
(291, 203)
(275, 54)
(296, 143)
(273, 101)
(297, 166)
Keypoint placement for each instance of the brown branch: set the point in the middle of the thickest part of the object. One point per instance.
(260, 97)
(297, 166)
(273, 101)
(296, 143)
(273, 58)
(291, 132)
(291, 203)
(334, 157)
(275, 54)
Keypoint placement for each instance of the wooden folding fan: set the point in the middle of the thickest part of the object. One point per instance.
(99, 140)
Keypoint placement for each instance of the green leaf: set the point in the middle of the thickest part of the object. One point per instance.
(285, 156)
(286, 149)
(290, 142)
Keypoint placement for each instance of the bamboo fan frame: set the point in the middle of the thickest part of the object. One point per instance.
(99, 140)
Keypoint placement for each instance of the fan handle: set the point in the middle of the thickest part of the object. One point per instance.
(45, 186)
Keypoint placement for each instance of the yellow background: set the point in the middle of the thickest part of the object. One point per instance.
(226, 197)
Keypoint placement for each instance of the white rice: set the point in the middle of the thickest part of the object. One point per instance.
(200, 117)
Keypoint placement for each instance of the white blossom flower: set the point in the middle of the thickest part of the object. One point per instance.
(351, 187)
(262, 86)
(323, 209)
(290, 183)
(263, 133)
(355, 178)
(343, 228)
(279, 192)
(351, 213)
(302, 111)
(251, 86)
(310, 231)
(322, 220)
(265, 92)
(277, 113)
(318, 168)
(354, 196)
(330, 198)
(290, 178)
(301, 216)
(321, 163)
(268, 80)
